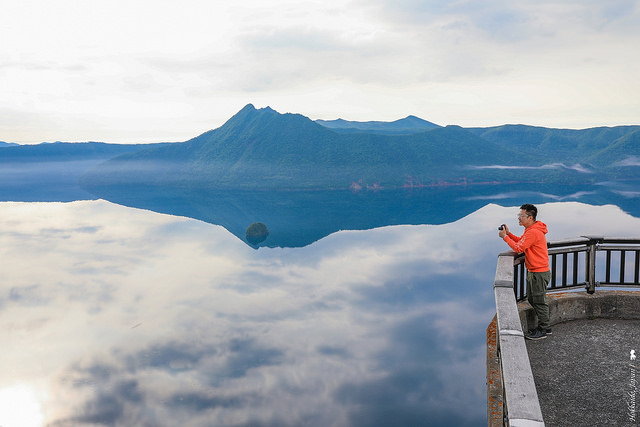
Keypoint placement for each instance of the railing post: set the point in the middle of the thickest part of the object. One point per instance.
(590, 262)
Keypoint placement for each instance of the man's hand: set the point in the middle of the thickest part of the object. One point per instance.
(504, 231)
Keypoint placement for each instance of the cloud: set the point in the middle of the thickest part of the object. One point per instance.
(532, 194)
(143, 324)
(294, 57)
(111, 396)
(501, 18)
(165, 72)
(30, 296)
(629, 161)
(577, 167)
(628, 194)
(418, 347)
(246, 354)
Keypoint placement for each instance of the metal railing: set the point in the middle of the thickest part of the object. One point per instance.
(588, 261)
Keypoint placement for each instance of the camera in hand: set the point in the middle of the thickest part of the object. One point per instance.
(501, 227)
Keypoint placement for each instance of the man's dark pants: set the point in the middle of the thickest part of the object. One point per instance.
(537, 296)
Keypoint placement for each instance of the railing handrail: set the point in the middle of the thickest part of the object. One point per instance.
(521, 405)
(590, 245)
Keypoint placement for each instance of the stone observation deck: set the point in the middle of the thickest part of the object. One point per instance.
(585, 373)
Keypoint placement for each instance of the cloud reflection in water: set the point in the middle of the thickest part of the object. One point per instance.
(127, 317)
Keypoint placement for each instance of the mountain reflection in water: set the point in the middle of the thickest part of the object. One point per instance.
(299, 218)
(121, 316)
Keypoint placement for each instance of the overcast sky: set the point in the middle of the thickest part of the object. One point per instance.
(154, 70)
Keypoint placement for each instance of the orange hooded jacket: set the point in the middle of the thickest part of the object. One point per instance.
(533, 243)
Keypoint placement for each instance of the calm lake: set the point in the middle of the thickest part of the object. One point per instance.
(116, 315)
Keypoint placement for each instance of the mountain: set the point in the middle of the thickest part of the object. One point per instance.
(407, 126)
(619, 150)
(262, 149)
(439, 174)
(593, 146)
(7, 144)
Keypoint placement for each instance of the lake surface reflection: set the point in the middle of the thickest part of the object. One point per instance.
(119, 316)
(299, 218)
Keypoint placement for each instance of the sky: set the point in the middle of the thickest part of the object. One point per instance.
(140, 71)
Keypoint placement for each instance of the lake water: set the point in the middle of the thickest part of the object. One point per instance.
(114, 315)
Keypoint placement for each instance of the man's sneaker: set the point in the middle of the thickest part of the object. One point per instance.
(537, 334)
(548, 331)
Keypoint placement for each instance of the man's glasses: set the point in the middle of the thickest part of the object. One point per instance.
(523, 215)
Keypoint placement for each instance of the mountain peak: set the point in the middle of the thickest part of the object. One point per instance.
(408, 125)
(251, 108)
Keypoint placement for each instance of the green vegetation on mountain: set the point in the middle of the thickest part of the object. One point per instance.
(262, 149)
(587, 145)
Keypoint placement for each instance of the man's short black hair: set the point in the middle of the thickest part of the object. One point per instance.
(531, 210)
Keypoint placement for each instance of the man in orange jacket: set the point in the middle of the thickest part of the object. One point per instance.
(533, 243)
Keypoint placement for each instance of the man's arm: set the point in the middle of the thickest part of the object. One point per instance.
(525, 241)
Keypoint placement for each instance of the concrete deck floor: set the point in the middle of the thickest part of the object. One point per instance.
(584, 374)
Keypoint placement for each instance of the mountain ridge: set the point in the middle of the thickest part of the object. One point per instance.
(263, 149)
(406, 126)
